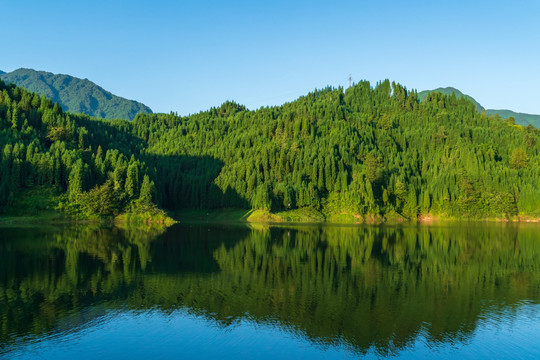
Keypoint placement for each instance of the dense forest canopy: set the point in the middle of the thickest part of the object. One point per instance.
(370, 152)
(448, 91)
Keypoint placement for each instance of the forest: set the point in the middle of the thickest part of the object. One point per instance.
(358, 154)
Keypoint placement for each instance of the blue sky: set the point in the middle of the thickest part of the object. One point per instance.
(187, 56)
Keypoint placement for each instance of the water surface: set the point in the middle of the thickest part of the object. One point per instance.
(333, 292)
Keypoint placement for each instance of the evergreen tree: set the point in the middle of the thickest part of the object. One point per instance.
(367, 151)
(147, 190)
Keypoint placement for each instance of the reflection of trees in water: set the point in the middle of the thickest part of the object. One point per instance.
(380, 286)
(370, 286)
(46, 274)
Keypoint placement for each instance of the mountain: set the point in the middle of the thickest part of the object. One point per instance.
(448, 91)
(364, 154)
(520, 118)
(76, 95)
(1, 72)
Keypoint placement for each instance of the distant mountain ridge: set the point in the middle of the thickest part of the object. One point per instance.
(76, 95)
(520, 118)
(449, 91)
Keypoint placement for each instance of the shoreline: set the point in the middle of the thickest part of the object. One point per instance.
(266, 217)
(242, 216)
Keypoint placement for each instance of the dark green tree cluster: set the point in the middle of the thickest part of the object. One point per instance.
(94, 163)
(367, 151)
(377, 151)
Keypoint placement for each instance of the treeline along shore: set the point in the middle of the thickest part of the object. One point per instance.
(364, 154)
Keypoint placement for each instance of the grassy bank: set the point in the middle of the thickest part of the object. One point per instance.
(250, 216)
(304, 215)
(310, 215)
(44, 205)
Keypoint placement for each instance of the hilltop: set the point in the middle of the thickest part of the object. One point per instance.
(520, 118)
(364, 154)
(448, 91)
(76, 95)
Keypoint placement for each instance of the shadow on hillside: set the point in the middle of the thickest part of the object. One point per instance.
(189, 182)
(182, 181)
(118, 134)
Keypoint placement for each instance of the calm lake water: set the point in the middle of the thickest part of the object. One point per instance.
(229, 292)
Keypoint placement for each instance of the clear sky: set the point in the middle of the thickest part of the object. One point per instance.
(187, 56)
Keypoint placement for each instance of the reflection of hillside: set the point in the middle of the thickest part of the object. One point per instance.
(375, 286)
(378, 286)
(45, 275)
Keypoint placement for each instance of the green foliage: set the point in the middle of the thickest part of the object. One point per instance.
(449, 91)
(365, 153)
(147, 191)
(76, 95)
(102, 200)
(77, 179)
(39, 200)
(519, 159)
(519, 118)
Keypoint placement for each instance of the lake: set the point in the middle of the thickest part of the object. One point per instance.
(266, 292)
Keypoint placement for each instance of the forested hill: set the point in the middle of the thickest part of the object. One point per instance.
(367, 153)
(76, 95)
(520, 118)
(448, 91)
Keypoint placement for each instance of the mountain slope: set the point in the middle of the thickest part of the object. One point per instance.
(448, 91)
(76, 95)
(521, 118)
(361, 154)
